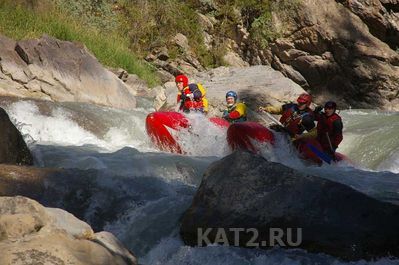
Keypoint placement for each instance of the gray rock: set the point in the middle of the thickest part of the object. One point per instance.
(232, 58)
(33, 234)
(244, 190)
(206, 22)
(63, 220)
(134, 84)
(381, 17)
(256, 85)
(162, 54)
(337, 54)
(51, 69)
(13, 149)
(110, 242)
(181, 41)
(11, 64)
(289, 72)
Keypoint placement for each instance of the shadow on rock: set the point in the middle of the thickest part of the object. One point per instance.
(245, 191)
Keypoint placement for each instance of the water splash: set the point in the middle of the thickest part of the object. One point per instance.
(203, 138)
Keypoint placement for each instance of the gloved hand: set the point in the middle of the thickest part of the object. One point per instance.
(267, 109)
(296, 137)
(332, 153)
(332, 150)
(318, 109)
(190, 96)
(225, 115)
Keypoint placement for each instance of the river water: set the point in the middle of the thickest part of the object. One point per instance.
(160, 186)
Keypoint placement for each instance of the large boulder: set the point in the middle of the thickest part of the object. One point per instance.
(33, 234)
(52, 69)
(334, 50)
(245, 191)
(135, 85)
(381, 17)
(256, 85)
(13, 149)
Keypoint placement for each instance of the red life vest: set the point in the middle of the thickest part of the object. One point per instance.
(325, 126)
(292, 118)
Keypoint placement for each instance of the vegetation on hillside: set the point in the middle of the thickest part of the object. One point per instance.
(112, 49)
(119, 32)
(255, 16)
(151, 24)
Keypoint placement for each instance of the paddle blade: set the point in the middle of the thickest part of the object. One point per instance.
(323, 156)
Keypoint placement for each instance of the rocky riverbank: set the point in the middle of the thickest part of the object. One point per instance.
(33, 234)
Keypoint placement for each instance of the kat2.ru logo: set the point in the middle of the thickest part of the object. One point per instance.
(249, 237)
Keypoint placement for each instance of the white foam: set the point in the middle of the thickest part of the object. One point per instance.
(391, 163)
(171, 250)
(57, 128)
(203, 138)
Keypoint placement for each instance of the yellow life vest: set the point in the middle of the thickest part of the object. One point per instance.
(204, 100)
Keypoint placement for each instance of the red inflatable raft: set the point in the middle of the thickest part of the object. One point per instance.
(160, 124)
(243, 135)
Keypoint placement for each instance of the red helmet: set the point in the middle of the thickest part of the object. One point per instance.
(304, 99)
(182, 78)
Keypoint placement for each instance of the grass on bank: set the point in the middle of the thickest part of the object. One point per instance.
(110, 49)
(153, 23)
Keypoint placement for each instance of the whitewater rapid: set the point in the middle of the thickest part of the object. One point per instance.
(114, 143)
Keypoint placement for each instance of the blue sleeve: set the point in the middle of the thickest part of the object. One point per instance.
(195, 90)
(308, 122)
(289, 106)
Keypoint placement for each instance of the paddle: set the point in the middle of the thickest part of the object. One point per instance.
(331, 148)
(273, 119)
(323, 156)
(277, 122)
(259, 116)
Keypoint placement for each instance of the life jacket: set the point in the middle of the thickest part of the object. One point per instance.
(292, 118)
(241, 110)
(199, 102)
(205, 103)
(325, 126)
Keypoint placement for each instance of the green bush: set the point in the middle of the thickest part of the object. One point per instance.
(151, 24)
(256, 16)
(93, 13)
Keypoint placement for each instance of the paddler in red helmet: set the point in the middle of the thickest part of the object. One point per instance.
(190, 97)
(296, 117)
